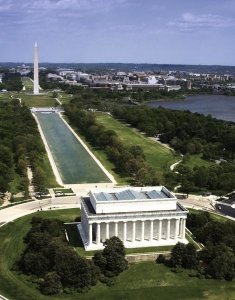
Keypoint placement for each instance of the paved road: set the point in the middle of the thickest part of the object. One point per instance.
(11, 213)
(208, 204)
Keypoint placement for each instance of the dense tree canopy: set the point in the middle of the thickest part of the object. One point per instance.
(21, 145)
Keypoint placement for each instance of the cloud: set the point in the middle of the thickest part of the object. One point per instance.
(189, 22)
(5, 5)
(82, 5)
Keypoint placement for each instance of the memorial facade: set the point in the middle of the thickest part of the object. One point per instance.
(139, 216)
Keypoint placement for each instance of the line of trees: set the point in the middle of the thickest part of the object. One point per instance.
(129, 161)
(11, 82)
(58, 268)
(21, 145)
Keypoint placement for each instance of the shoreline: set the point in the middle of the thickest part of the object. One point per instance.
(181, 98)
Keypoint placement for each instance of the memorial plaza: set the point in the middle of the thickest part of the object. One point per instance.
(139, 216)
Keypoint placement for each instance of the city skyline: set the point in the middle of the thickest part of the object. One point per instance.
(150, 31)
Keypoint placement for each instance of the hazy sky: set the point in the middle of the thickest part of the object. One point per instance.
(152, 31)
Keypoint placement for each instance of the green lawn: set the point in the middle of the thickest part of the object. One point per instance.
(38, 100)
(196, 161)
(158, 156)
(64, 97)
(15, 185)
(5, 96)
(141, 281)
(46, 167)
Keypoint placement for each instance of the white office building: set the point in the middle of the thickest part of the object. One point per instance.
(139, 216)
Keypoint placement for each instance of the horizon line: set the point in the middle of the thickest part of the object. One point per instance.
(123, 63)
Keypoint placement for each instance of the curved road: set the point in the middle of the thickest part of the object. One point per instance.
(11, 213)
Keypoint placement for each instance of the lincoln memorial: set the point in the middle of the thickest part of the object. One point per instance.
(139, 216)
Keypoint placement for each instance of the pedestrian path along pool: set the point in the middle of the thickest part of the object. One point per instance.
(74, 163)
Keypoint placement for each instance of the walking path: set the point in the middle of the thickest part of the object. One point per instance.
(58, 101)
(31, 186)
(14, 212)
(173, 166)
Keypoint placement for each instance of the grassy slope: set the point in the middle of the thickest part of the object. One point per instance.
(141, 281)
(158, 156)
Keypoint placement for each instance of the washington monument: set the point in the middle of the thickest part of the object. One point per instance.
(35, 81)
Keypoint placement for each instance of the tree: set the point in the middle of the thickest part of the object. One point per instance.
(114, 244)
(190, 258)
(111, 261)
(74, 270)
(35, 263)
(51, 284)
(177, 254)
(100, 261)
(222, 266)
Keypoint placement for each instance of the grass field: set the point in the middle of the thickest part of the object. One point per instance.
(158, 156)
(196, 161)
(141, 281)
(46, 167)
(5, 96)
(64, 97)
(38, 101)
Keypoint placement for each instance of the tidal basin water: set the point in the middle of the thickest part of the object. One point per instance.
(220, 107)
(73, 162)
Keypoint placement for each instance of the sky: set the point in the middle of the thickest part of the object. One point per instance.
(127, 31)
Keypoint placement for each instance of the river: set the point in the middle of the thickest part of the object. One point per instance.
(73, 162)
(219, 106)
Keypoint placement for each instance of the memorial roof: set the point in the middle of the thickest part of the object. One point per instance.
(131, 194)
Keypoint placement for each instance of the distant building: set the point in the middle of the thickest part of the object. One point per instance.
(139, 216)
(189, 85)
(172, 88)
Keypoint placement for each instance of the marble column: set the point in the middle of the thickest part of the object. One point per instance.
(98, 234)
(133, 231)
(116, 229)
(176, 229)
(168, 229)
(124, 232)
(151, 230)
(90, 234)
(160, 230)
(183, 228)
(142, 231)
(107, 231)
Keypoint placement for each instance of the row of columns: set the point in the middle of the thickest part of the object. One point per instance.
(179, 230)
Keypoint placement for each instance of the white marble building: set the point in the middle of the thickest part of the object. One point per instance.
(139, 216)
